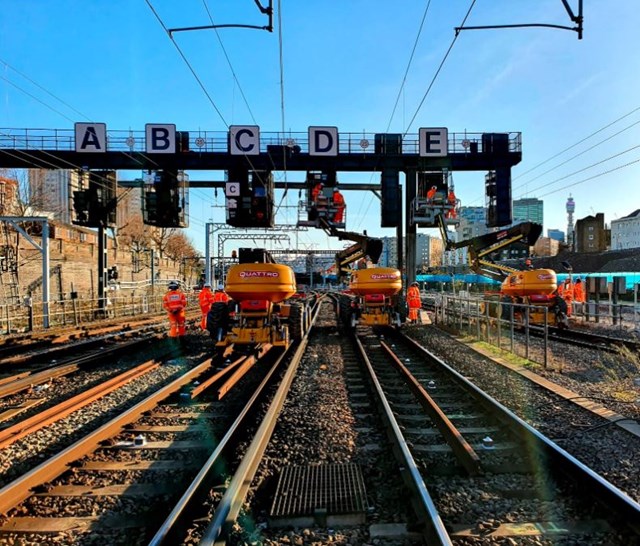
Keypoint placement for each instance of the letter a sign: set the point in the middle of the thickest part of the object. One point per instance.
(91, 137)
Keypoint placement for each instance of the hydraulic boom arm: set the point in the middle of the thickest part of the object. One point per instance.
(481, 247)
(363, 246)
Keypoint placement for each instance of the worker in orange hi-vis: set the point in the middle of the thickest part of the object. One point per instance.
(567, 294)
(316, 191)
(431, 194)
(220, 296)
(413, 301)
(175, 302)
(451, 201)
(579, 295)
(206, 300)
(339, 204)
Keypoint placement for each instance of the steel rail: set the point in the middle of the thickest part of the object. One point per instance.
(462, 449)
(229, 507)
(80, 345)
(20, 489)
(37, 378)
(434, 530)
(606, 493)
(587, 339)
(216, 377)
(50, 415)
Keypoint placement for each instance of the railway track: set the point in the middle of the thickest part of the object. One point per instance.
(53, 340)
(193, 423)
(579, 337)
(184, 466)
(506, 461)
(584, 338)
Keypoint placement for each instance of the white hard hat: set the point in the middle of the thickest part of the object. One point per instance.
(207, 285)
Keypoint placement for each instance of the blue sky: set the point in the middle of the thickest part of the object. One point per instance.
(343, 63)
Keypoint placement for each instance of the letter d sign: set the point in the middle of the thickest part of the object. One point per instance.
(323, 141)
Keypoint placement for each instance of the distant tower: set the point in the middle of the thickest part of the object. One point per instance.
(571, 208)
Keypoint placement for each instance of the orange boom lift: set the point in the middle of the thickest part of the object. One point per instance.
(258, 311)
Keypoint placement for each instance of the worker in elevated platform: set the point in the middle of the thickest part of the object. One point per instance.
(175, 302)
(339, 205)
(414, 301)
(316, 192)
(431, 194)
(205, 299)
(451, 201)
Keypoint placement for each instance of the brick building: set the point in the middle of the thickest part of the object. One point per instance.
(591, 234)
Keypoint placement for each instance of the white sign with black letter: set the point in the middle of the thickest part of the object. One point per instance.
(91, 137)
(232, 189)
(160, 138)
(244, 140)
(433, 142)
(323, 141)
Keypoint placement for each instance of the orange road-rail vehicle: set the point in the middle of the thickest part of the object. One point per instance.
(532, 289)
(258, 311)
(375, 290)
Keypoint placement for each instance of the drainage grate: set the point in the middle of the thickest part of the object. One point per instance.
(333, 489)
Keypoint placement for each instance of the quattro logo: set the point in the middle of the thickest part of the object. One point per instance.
(259, 274)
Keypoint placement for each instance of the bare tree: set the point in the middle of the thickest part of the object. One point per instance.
(135, 234)
(180, 249)
(160, 238)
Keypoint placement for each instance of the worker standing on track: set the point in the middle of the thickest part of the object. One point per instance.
(175, 302)
(413, 301)
(206, 299)
(578, 295)
(339, 204)
(567, 294)
(220, 295)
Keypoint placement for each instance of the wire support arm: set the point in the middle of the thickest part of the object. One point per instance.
(265, 10)
(577, 19)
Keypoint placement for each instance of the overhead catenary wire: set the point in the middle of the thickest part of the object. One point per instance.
(199, 80)
(191, 69)
(588, 167)
(406, 72)
(226, 55)
(39, 162)
(282, 111)
(619, 167)
(578, 155)
(395, 106)
(577, 143)
(435, 76)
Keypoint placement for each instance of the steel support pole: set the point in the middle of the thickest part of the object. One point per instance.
(45, 274)
(102, 271)
(207, 252)
(410, 226)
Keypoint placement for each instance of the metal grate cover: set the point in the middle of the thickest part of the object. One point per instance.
(336, 488)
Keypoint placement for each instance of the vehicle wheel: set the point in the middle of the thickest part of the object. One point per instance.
(218, 317)
(505, 310)
(344, 309)
(296, 322)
